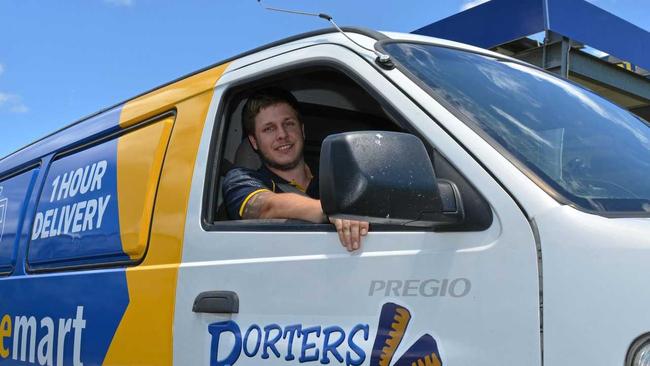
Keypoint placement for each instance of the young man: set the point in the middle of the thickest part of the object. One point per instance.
(284, 187)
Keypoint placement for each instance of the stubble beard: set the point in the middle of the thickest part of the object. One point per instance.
(279, 166)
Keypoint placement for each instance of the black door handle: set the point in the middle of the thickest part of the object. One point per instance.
(216, 302)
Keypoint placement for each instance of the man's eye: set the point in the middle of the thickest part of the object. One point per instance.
(267, 129)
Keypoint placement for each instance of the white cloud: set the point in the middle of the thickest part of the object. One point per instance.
(126, 3)
(471, 4)
(587, 100)
(19, 108)
(13, 103)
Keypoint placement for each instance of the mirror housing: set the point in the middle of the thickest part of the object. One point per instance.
(383, 177)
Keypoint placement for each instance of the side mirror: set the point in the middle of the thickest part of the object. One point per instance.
(384, 177)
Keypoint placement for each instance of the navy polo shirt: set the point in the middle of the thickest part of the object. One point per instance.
(240, 184)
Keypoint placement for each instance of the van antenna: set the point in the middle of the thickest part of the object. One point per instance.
(382, 59)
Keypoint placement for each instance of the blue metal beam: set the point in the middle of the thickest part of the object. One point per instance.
(593, 26)
(500, 21)
(490, 24)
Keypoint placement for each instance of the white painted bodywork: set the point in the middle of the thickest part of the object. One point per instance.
(595, 286)
(593, 267)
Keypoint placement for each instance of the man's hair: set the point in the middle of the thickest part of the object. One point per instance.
(263, 98)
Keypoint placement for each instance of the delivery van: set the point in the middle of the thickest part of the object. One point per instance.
(509, 213)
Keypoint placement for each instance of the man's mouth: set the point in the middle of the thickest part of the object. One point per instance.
(284, 147)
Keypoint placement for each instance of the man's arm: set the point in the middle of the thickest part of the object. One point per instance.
(269, 205)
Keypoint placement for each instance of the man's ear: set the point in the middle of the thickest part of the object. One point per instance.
(253, 142)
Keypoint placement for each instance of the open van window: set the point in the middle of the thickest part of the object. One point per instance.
(591, 152)
(330, 102)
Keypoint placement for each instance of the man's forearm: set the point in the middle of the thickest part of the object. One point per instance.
(269, 205)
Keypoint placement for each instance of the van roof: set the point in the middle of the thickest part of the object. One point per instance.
(106, 121)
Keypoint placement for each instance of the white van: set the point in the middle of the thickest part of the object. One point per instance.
(509, 211)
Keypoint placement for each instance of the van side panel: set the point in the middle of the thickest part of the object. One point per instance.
(144, 335)
(61, 318)
(64, 317)
(77, 134)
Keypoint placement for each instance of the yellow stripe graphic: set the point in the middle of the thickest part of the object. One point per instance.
(144, 336)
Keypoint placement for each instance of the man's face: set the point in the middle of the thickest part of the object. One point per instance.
(278, 136)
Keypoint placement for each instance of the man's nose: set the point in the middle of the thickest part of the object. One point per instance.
(282, 132)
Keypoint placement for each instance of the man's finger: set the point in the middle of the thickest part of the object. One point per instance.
(342, 239)
(365, 226)
(355, 237)
(347, 234)
(338, 223)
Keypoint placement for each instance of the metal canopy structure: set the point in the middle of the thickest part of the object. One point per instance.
(568, 25)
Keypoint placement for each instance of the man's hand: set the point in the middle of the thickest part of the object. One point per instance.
(350, 232)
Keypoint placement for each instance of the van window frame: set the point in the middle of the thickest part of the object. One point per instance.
(70, 150)
(34, 168)
(218, 144)
(215, 155)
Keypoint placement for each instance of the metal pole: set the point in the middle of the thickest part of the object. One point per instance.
(564, 65)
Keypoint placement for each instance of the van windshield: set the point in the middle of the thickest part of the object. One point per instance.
(582, 146)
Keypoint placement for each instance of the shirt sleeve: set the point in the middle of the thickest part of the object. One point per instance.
(239, 186)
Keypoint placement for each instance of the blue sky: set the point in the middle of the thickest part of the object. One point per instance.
(62, 60)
